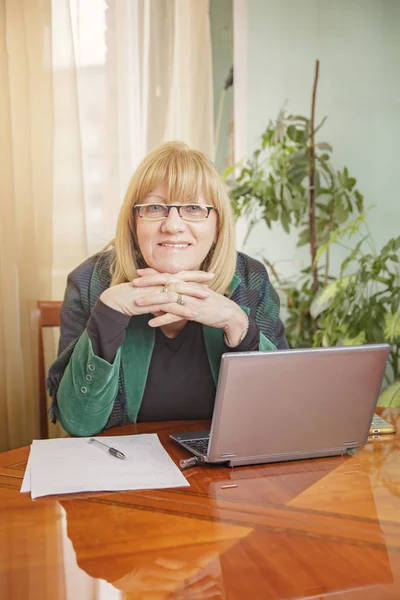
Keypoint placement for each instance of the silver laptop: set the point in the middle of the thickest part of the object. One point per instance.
(290, 404)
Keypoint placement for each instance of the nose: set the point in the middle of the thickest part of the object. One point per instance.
(173, 223)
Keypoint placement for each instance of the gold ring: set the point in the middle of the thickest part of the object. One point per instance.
(180, 299)
(165, 289)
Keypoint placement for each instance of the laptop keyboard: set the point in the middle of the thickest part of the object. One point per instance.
(200, 445)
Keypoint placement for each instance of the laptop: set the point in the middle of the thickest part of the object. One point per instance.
(289, 405)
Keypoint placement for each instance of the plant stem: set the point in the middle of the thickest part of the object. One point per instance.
(349, 248)
(370, 239)
(272, 268)
(326, 274)
(313, 241)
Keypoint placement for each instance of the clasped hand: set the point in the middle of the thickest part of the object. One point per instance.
(158, 293)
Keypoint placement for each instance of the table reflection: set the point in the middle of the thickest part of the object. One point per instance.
(149, 555)
(251, 542)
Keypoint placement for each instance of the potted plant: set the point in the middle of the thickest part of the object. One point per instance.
(290, 179)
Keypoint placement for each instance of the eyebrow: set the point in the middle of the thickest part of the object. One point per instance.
(155, 196)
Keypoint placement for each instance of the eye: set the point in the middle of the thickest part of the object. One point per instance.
(194, 208)
(155, 208)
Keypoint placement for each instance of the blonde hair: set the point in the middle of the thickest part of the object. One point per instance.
(187, 172)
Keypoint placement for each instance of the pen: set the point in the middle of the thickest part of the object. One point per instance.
(109, 449)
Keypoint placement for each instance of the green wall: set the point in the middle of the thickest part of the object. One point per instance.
(222, 56)
(358, 45)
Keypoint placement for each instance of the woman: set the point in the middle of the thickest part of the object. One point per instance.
(145, 323)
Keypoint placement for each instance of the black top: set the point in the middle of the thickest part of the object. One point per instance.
(179, 383)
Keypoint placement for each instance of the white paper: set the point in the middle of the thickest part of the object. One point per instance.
(70, 465)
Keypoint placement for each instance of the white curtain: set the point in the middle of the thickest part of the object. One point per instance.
(129, 74)
(88, 87)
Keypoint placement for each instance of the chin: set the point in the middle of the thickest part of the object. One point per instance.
(174, 267)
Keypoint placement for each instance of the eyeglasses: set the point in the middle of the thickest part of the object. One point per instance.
(187, 212)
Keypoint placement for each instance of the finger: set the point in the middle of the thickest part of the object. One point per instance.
(168, 297)
(147, 271)
(196, 290)
(167, 319)
(146, 291)
(176, 309)
(166, 278)
(158, 279)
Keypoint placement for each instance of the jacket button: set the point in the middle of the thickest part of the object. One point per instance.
(91, 367)
(88, 377)
(84, 389)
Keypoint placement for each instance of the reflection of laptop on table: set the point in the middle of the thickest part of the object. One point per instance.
(290, 404)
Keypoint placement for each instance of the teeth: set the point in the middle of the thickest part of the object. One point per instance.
(175, 245)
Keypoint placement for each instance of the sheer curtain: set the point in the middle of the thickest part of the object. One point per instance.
(88, 87)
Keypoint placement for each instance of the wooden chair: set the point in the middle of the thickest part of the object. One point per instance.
(47, 315)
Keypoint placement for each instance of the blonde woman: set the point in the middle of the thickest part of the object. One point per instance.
(144, 324)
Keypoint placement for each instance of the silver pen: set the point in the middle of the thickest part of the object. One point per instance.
(186, 463)
(109, 449)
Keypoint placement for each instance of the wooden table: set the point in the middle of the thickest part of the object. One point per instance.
(307, 529)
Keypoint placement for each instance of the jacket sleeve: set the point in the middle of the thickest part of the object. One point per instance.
(83, 386)
(267, 315)
(258, 294)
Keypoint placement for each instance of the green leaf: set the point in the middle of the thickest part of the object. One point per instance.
(341, 213)
(228, 171)
(351, 182)
(352, 256)
(278, 189)
(324, 297)
(392, 327)
(394, 307)
(299, 158)
(287, 196)
(297, 118)
(390, 396)
(350, 229)
(358, 340)
(324, 146)
(304, 237)
(297, 175)
(285, 220)
(295, 134)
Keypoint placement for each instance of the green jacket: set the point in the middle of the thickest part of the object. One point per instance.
(89, 393)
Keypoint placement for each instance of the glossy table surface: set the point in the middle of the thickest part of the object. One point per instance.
(308, 529)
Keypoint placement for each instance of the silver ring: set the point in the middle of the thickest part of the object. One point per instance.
(180, 299)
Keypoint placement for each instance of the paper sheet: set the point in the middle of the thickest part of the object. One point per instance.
(68, 465)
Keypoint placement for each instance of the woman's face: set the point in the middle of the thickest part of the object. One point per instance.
(171, 245)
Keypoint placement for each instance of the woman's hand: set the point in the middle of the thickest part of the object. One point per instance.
(123, 297)
(207, 306)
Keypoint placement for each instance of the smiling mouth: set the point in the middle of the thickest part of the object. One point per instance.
(175, 246)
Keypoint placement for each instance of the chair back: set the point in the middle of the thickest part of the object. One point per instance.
(48, 315)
